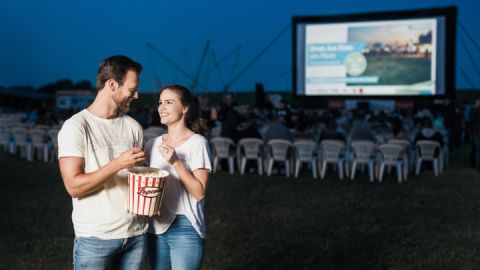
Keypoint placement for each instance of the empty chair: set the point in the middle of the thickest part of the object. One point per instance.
(53, 149)
(410, 151)
(250, 149)
(21, 143)
(429, 150)
(4, 138)
(393, 155)
(39, 147)
(363, 154)
(222, 150)
(332, 152)
(304, 152)
(278, 151)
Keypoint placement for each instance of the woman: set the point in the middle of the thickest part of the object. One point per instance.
(176, 236)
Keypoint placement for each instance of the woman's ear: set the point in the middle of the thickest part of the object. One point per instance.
(185, 110)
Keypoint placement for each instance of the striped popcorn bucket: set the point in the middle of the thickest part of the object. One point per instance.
(145, 190)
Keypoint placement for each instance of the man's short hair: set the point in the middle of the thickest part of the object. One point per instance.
(116, 67)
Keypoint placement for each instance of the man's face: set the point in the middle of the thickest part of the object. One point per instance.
(127, 92)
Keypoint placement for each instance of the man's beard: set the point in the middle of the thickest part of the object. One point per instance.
(122, 104)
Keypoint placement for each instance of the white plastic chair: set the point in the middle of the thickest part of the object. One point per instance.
(362, 153)
(53, 150)
(221, 150)
(278, 150)
(332, 152)
(428, 150)
(4, 138)
(393, 155)
(250, 149)
(20, 136)
(39, 147)
(304, 152)
(410, 151)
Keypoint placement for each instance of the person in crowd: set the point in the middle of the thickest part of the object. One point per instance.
(227, 106)
(276, 129)
(361, 130)
(428, 132)
(331, 131)
(398, 132)
(95, 147)
(176, 236)
(247, 127)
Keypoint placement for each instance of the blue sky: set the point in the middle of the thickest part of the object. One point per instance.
(44, 41)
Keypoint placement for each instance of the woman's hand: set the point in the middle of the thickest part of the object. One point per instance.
(168, 153)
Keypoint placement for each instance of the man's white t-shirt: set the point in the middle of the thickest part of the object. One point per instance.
(102, 213)
(195, 154)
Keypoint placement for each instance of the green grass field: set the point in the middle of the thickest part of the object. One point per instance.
(276, 222)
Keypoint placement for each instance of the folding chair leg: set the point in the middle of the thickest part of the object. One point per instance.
(417, 168)
(215, 164)
(297, 168)
(260, 166)
(244, 163)
(324, 169)
(287, 168)
(380, 174)
(399, 172)
(354, 168)
(231, 165)
(370, 171)
(270, 167)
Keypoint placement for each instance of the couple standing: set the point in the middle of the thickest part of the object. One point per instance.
(98, 144)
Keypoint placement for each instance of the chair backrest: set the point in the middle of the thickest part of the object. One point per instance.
(402, 142)
(252, 147)
(279, 149)
(391, 153)
(37, 136)
(20, 135)
(427, 149)
(331, 149)
(304, 149)
(362, 150)
(53, 134)
(221, 146)
(4, 136)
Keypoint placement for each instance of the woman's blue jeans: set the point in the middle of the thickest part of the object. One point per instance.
(179, 248)
(95, 254)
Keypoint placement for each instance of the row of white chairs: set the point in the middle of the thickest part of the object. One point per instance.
(346, 160)
(30, 143)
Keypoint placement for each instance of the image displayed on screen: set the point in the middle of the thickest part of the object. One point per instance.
(395, 57)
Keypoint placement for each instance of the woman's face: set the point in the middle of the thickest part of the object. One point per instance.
(170, 108)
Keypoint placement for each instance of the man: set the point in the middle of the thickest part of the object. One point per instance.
(95, 147)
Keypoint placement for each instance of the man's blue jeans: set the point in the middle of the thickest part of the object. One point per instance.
(179, 248)
(94, 253)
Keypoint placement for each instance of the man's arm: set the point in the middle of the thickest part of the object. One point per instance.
(78, 183)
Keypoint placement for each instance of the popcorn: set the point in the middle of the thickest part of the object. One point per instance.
(145, 190)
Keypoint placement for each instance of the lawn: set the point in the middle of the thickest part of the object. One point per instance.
(276, 222)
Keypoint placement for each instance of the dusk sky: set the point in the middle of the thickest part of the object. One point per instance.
(44, 41)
